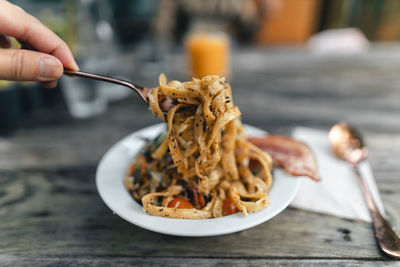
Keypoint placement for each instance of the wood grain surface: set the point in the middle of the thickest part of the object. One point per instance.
(51, 213)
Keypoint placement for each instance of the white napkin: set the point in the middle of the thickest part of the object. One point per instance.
(338, 193)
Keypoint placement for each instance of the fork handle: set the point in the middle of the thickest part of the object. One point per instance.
(387, 239)
(141, 91)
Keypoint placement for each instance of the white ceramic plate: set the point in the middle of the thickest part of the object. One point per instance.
(112, 169)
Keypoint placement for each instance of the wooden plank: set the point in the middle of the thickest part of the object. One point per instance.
(59, 214)
(188, 262)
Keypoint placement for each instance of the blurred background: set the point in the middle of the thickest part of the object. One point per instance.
(138, 39)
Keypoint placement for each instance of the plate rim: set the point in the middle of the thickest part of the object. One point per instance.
(296, 181)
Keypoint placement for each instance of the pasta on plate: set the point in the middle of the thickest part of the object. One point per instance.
(199, 168)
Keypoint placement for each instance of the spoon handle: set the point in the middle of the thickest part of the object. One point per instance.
(388, 241)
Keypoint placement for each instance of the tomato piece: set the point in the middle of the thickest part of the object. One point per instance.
(180, 203)
(229, 207)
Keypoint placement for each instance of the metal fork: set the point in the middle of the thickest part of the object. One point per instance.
(140, 90)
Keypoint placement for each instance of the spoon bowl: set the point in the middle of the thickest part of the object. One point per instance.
(347, 143)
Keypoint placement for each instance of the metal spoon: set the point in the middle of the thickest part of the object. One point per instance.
(140, 90)
(348, 145)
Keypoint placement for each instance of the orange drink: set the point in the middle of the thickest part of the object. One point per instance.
(208, 53)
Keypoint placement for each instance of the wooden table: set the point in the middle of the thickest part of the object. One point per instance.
(51, 212)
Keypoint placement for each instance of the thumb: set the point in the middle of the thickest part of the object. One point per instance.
(26, 65)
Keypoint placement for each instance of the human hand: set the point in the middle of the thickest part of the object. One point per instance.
(46, 64)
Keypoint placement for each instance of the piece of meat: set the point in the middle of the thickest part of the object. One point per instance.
(295, 157)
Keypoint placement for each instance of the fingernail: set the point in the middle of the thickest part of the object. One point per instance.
(49, 69)
(75, 66)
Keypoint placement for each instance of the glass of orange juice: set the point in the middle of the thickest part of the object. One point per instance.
(208, 51)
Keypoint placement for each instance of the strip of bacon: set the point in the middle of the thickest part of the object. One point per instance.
(295, 157)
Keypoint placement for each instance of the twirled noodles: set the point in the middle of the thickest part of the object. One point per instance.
(200, 168)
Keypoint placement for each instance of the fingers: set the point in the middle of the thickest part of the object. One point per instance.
(4, 41)
(17, 23)
(26, 65)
